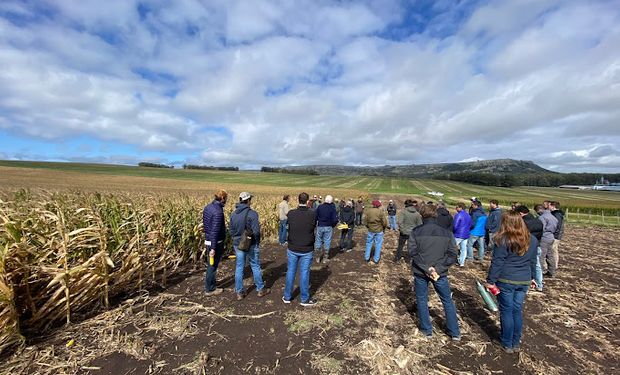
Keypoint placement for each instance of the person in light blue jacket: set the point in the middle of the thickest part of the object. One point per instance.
(478, 230)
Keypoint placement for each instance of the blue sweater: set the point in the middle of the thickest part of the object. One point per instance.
(508, 267)
(326, 215)
(478, 222)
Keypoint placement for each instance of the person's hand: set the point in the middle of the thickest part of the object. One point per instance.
(489, 286)
(212, 253)
(432, 273)
(533, 284)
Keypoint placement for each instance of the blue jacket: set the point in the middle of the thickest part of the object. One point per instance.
(508, 267)
(462, 225)
(493, 221)
(478, 222)
(326, 215)
(237, 226)
(213, 222)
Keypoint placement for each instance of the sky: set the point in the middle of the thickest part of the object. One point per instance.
(275, 83)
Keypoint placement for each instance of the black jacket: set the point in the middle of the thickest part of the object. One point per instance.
(347, 215)
(444, 218)
(534, 225)
(391, 209)
(237, 224)
(301, 224)
(431, 245)
(559, 232)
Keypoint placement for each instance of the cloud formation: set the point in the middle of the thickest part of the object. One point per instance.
(306, 82)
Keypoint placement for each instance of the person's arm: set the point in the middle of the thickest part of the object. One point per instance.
(534, 258)
(500, 253)
(255, 225)
(217, 220)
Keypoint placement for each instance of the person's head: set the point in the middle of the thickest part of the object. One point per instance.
(460, 206)
(475, 204)
(408, 203)
(329, 199)
(391, 201)
(539, 208)
(554, 205)
(350, 203)
(441, 204)
(286, 197)
(522, 210)
(221, 196)
(376, 203)
(303, 198)
(493, 203)
(515, 204)
(428, 210)
(414, 203)
(245, 198)
(546, 204)
(513, 233)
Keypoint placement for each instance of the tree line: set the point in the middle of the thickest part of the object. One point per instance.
(209, 167)
(308, 171)
(527, 179)
(154, 165)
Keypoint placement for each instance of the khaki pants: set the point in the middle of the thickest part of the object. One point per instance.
(547, 257)
(556, 252)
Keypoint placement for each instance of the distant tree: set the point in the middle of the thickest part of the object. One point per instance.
(154, 165)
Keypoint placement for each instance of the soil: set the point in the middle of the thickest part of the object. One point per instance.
(365, 322)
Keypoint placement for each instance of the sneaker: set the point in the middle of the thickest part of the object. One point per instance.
(516, 349)
(263, 292)
(456, 338)
(508, 350)
(349, 250)
(287, 301)
(240, 296)
(309, 302)
(214, 292)
(539, 290)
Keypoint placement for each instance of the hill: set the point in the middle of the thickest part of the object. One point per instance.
(498, 166)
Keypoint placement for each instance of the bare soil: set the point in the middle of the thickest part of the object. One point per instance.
(365, 322)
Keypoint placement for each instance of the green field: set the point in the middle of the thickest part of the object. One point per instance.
(592, 204)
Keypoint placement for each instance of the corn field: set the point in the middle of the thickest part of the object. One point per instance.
(64, 253)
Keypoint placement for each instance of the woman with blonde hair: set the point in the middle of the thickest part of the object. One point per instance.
(513, 269)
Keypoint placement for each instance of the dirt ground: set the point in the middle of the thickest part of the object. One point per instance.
(365, 322)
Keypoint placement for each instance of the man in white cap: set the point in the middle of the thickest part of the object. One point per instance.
(326, 218)
(391, 211)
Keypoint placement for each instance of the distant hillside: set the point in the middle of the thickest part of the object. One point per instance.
(499, 166)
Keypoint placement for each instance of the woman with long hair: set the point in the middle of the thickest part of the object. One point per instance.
(513, 269)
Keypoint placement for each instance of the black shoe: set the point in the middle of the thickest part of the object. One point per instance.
(309, 302)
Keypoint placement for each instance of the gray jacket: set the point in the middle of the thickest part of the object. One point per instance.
(550, 225)
(408, 219)
(493, 220)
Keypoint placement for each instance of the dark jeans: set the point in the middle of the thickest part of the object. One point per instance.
(346, 238)
(510, 299)
(303, 261)
(402, 238)
(282, 231)
(358, 218)
(442, 287)
(212, 269)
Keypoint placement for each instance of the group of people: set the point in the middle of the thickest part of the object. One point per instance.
(524, 248)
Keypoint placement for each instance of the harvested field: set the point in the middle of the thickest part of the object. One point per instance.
(365, 322)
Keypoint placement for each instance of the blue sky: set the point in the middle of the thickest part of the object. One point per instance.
(251, 83)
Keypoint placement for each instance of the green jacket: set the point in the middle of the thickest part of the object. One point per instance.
(408, 219)
(375, 220)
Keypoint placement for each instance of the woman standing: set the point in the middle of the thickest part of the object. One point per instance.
(513, 269)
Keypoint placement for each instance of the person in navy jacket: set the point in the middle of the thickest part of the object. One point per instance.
(215, 234)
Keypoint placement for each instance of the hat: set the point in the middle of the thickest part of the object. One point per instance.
(473, 199)
(376, 203)
(350, 203)
(245, 196)
(391, 201)
(314, 196)
(329, 199)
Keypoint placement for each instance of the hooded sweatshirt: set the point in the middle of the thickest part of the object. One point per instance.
(237, 224)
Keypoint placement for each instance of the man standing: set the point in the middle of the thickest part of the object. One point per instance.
(391, 211)
(557, 212)
(301, 224)
(359, 210)
(283, 209)
(535, 227)
(408, 219)
(376, 223)
(444, 218)
(347, 216)
(215, 234)
(432, 250)
(244, 217)
(550, 225)
(327, 218)
(492, 225)
(478, 222)
(462, 225)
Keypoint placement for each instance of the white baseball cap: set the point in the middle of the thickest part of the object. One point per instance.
(245, 196)
(329, 199)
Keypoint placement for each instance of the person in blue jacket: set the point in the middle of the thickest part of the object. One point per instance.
(478, 223)
(215, 234)
(461, 231)
(492, 225)
(513, 269)
(326, 218)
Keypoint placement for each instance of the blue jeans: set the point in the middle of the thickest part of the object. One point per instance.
(442, 287)
(211, 272)
(377, 239)
(470, 246)
(303, 260)
(253, 255)
(323, 238)
(282, 231)
(510, 300)
(462, 243)
(392, 221)
(539, 272)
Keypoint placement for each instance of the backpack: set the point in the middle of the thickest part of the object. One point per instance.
(246, 236)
